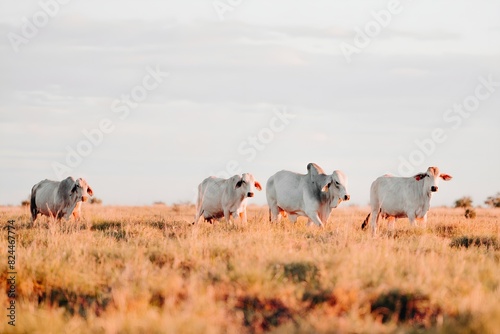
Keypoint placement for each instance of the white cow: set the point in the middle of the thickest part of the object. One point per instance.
(59, 199)
(226, 198)
(403, 197)
(313, 195)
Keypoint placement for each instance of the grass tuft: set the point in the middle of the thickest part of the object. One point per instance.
(296, 272)
(75, 303)
(466, 242)
(263, 314)
(412, 308)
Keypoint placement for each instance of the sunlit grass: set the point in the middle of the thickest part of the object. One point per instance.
(148, 270)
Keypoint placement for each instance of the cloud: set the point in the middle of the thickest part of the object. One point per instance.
(411, 72)
(424, 35)
(225, 80)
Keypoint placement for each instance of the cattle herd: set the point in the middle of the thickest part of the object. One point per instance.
(312, 195)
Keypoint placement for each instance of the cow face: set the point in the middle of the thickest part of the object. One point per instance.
(430, 179)
(247, 185)
(81, 190)
(337, 188)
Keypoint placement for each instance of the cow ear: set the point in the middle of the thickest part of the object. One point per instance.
(419, 177)
(90, 191)
(446, 177)
(258, 186)
(326, 186)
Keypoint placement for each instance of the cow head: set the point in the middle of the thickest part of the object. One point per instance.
(318, 177)
(246, 184)
(337, 188)
(81, 190)
(430, 180)
(333, 186)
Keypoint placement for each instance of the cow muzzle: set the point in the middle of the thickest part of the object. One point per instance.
(347, 197)
(250, 194)
(434, 189)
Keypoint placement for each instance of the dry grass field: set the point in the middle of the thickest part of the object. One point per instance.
(146, 270)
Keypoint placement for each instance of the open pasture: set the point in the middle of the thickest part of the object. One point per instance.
(146, 270)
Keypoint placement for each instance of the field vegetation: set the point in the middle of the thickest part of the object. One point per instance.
(148, 270)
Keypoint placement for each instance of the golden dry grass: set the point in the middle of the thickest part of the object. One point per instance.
(146, 270)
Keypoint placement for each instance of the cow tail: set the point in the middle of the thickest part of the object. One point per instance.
(33, 209)
(365, 222)
(270, 215)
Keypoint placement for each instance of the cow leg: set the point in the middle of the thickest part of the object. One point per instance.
(227, 216)
(424, 221)
(199, 206)
(390, 223)
(309, 222)
(243, 216)
(315, 218)
(293, 218)
(66, 215)
(274, 214)
(374, 219)
(53, 214)
(77, 211)
(34, 215)
(71, 209)
(412, 220)
(199, 213)
(420, 222)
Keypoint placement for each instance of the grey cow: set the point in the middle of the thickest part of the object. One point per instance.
(226, 198)
(401, 197)
(59, 198)
(313, 195)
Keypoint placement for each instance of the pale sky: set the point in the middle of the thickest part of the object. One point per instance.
(368, 87)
